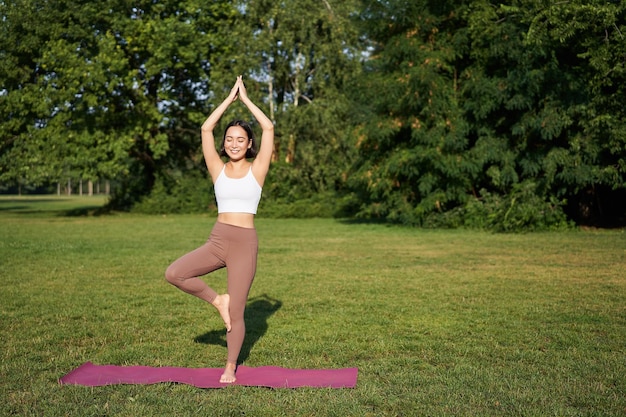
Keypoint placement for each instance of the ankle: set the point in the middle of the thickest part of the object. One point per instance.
(217, 301)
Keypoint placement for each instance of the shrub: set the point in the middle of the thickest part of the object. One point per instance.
(190, 192)
(523, 209)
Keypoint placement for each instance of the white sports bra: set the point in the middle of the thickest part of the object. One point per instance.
(237, 195)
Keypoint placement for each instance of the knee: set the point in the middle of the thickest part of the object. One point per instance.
(236, 314)
(171, 276)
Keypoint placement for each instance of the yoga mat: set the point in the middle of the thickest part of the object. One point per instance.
(92, 375)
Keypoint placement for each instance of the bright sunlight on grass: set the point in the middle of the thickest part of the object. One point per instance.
(439, 322)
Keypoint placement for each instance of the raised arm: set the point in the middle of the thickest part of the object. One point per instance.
(213, 161)
(261, 164)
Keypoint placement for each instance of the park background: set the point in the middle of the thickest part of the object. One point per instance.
(407, 133)
(434, 114)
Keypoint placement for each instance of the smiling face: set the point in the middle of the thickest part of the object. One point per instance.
(236, 142)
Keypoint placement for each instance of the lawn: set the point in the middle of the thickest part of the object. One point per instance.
(439, 322)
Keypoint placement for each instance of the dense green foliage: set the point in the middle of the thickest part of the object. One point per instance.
(104, 89)
(481, 100)
(425, 113)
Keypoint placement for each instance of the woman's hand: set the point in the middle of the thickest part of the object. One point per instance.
(234, 92)
(243, 94)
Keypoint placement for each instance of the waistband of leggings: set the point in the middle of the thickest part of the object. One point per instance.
(236, 232)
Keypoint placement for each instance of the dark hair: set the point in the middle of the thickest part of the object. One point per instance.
(252, 151)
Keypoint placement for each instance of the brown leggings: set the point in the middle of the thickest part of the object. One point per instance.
(228, 246)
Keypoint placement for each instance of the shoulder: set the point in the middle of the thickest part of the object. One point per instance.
(259, 172)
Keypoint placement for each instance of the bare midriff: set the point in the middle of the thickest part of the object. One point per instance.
(237, 219)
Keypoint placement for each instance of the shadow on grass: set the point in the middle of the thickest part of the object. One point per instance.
(60, 207)
(86, 211)
(357, 221)
(258, 311)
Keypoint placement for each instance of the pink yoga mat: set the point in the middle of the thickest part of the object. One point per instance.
(92, 375)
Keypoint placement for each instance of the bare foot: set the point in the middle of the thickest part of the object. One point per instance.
(222, 303)
(228, 377)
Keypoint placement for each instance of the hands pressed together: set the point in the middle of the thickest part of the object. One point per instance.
(238, 90)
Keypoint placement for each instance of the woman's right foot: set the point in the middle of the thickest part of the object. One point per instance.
(222, 303)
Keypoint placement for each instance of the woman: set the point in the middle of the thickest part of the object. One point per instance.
(233, 241)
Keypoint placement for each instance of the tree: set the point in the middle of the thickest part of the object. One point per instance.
(490, 106)
(590, 38)
(303, 53)
(296, 57)
(543, 94)
(110, 89)
(104, 88)
(413, 142)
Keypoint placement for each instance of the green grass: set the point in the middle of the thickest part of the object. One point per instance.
(439, 322)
